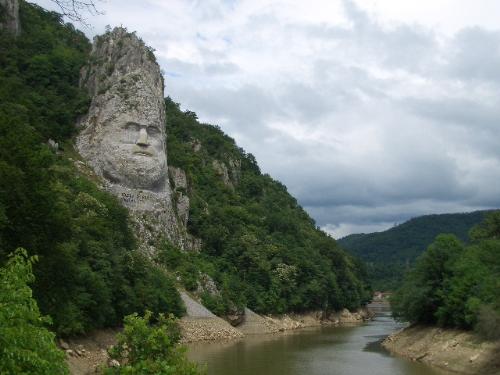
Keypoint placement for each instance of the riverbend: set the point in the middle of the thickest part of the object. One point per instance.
(346, 350)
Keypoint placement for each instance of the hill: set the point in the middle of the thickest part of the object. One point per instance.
(390, 253)
(259, 247)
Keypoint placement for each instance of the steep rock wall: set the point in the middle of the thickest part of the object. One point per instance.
(9, 16)
(123, 136)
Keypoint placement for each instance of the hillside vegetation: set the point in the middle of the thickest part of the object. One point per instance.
(454, 284)
(389, 254)
(259, 245)
(88, 274)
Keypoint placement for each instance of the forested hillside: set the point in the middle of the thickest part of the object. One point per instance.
(88, 274)
(259, 245)
(390, 253)
(455, 284)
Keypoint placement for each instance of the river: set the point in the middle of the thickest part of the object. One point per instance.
(353, 350)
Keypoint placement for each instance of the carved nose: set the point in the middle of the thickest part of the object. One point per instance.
(143, 138)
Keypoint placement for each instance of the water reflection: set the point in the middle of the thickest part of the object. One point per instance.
(351, 350)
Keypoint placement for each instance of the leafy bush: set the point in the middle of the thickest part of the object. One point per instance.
(145, 348)
(26, 345)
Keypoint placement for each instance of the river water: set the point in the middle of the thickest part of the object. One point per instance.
(353, 350)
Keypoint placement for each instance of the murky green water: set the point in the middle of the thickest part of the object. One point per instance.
(319, 351)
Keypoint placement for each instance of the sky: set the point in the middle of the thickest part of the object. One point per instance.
(371, 112)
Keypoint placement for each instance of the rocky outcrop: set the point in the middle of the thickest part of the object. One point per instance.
(230, 176)
(122, 137)
(181, 198)
(454, 350)
(9, 16)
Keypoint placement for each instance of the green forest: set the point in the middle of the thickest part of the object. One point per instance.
(391, 253)
(456, 284)
(88, 274)
(259, 245)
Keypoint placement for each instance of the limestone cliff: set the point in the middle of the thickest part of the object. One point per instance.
(9, 16)
(123, 136)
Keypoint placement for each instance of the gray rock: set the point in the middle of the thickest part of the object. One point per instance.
(113, 363)
(207, 284)
(235, 170)
(53, 144)
(10, 19)
(230, 176)
(179, 181)
(221, 170)
(63, 344)
(178, 177)
(123, 136)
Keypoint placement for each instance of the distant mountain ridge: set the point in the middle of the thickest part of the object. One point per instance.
(389, 253)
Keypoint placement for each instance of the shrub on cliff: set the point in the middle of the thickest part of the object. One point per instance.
(26, 345)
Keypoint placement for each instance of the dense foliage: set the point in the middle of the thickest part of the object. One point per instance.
(259, 245)
(389, 254)
(454, 284)
(145, 348)
(26, 345)
(88, 274)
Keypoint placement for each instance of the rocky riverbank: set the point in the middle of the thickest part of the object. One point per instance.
(454, 350)
(212, 328)
(86, 354)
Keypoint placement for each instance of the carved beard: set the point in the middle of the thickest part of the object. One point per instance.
(123, 166)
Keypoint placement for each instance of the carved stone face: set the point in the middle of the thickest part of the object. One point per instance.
(132, 137)
(123, 134)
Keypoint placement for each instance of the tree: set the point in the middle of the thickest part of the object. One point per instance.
(144, 348)
(73, 9)
(422, 292)
(26, 345)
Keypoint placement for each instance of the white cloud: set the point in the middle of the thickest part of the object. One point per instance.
(371, 112)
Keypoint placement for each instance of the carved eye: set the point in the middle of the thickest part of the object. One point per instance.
(153, 131)
(130, 132)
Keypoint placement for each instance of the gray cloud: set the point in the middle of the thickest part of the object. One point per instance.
(368, 123)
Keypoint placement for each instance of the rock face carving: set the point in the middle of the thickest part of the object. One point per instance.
(9, 16)
(123, 135)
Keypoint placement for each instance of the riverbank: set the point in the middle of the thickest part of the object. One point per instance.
(213, 328)
(86, 354)
(200, 324)
(459, 351)
(346, 349)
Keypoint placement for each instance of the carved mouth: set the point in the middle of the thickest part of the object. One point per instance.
(143, 151)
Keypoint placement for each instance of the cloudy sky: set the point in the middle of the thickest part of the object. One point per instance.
(370, 111)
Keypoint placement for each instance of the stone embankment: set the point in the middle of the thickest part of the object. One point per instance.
(458, 351)
(200, 324)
